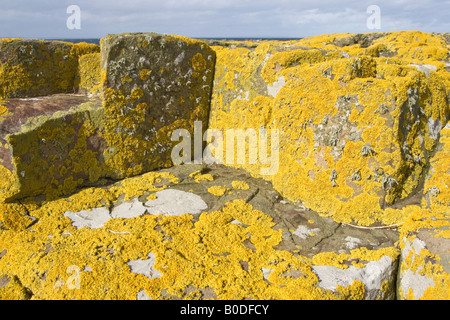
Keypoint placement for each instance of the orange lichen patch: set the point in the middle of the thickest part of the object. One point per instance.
(424, 260)
(355, 256)
(436, 188)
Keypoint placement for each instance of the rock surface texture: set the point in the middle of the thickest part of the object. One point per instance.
(358, 206)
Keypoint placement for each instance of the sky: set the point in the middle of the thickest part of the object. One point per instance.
(50, 19)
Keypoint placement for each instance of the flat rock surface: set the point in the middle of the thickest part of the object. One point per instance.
(196, 232)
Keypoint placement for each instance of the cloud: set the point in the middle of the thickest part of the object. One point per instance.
(217, 18)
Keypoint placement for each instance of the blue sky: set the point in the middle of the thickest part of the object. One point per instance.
(218, 18)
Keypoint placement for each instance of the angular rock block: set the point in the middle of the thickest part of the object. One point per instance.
(152, 85)
(32, 68)
(50, 145)
(358, 122)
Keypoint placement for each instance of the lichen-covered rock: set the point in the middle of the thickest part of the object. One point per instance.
(50, 145)
(152, 84)
(437, 183)
(359, 118)
(424, 271)
(133, 240)
(32, 68)
(425, 239)
(89, 73)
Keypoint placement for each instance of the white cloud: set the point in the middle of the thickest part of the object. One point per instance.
(217, 18)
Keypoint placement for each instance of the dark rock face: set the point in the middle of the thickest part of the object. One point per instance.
(152, 85)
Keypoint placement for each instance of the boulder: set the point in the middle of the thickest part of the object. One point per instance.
(356, 129)
(32, 68)
(49, 145)
(152, 85)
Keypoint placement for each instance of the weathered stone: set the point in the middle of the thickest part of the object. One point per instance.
(89, 70)
(364, 141)
(32, 68)
(152, 85)
(338, 114)
(245, 228)
(424, 272)
(50, 145)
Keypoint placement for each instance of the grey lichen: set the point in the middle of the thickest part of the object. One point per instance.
(388, 182)
(367, 151)
(333, 178)
(356, 176)
(433, 191)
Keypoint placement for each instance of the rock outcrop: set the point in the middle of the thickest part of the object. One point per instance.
(355, 204)
(359, 123)
(149, 84)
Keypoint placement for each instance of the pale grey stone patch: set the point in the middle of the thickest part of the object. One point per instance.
(426, 68)
(276, 87)
(304, 232)
(352, 243)
(416, 282)
(130, 209)
(412, 280)
(93, 219)
(172, 202)
(141, 295)
(373, 275)
(145, 267)
(266, 272)
(434, 127)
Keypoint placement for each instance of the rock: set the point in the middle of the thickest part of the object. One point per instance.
(90, 74)
(436, 187)
(129, 209)
(147, 94)
(425, 239)
(357, 207)
(424, 272)
(248, 243)
(357, 141)
(50, 145)
(175, 202)
(37, 68)
(152, 85)
(378, 277)
(93, 219)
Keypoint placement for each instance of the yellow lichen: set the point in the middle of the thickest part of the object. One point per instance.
(198, 176)
(240, 185)
(217, 190)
